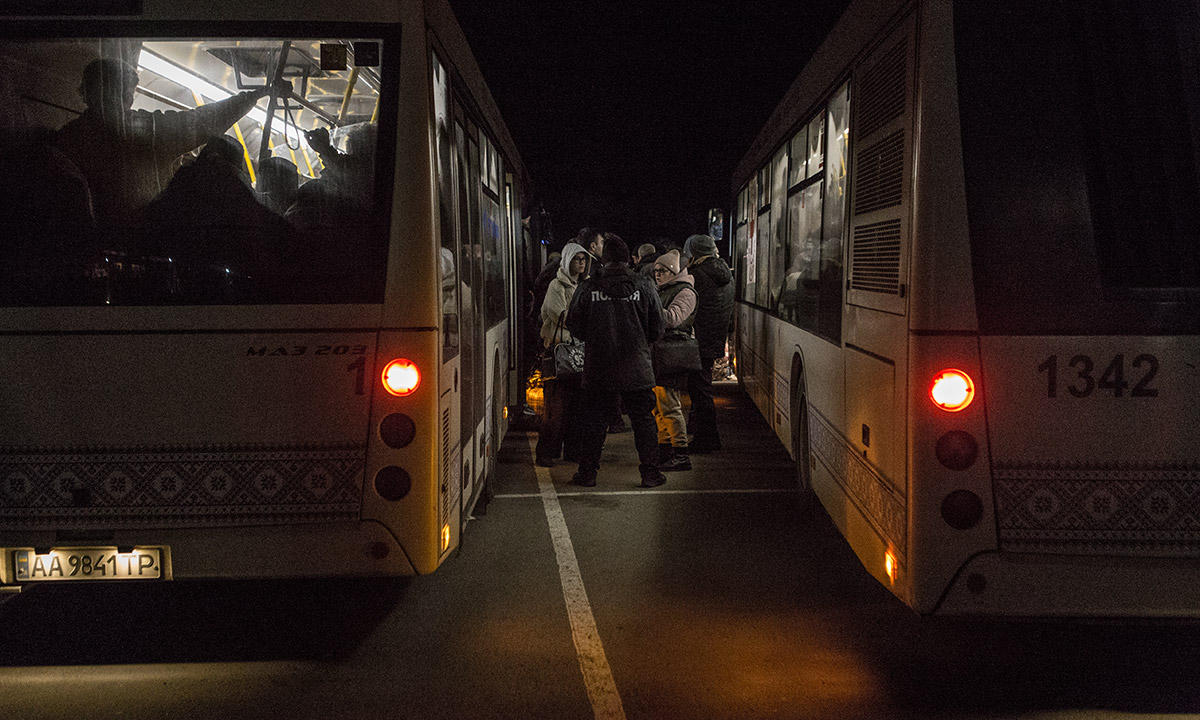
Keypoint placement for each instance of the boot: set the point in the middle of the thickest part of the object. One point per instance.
(664, 453)
(675, 461)
(653, 478)
(584, 478)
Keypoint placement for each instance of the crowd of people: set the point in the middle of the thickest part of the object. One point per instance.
(652, 325)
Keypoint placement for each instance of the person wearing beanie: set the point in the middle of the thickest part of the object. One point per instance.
(677, 293)
(700, 246)
(669, 260)
(714, 316)
(617, 314)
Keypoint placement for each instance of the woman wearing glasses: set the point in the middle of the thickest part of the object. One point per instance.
(559, 431)
(677, 292)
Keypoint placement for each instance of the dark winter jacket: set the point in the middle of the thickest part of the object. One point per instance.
(645, 266)
(617, 314)
(541, 284)
(714, 316)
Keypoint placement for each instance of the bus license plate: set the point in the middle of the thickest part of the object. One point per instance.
(104, 563)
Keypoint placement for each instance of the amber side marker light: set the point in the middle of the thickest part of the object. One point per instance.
(401, 377)
(889, 565)
(952, 390)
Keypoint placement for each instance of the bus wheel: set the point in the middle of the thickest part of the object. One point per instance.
(803, 456)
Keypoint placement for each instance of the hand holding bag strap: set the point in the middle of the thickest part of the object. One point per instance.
(549, 365)
(558, 328)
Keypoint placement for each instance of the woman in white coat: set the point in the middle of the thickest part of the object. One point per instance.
(560, 421)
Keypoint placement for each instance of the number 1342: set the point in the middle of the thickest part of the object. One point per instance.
(1082, 376)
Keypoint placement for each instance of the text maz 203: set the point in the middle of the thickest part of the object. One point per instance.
(297, 350)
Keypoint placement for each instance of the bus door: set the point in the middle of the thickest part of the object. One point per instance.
(471, 320)
(479, 357)
(452, 291)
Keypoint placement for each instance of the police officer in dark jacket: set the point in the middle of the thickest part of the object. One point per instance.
(617, 314)
(714, 315)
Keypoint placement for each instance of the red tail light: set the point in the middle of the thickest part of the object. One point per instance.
(401, 377)
(952, 390)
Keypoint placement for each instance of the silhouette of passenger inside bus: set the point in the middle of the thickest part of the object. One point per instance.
(346, 187)
(128, 155)
(278, 184)
(48, 239)
(449, 297)
(210, 223)
(341, 245)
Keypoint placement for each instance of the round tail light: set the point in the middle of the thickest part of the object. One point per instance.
(952, 390)
(401, 377)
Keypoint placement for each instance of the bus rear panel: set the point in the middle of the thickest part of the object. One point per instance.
(1022, 220)
(256, 372)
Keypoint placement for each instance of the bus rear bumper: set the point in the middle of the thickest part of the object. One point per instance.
(1037, 585)
(357, 549)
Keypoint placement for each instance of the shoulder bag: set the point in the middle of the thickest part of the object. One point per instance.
(673, 355)
(564, 360)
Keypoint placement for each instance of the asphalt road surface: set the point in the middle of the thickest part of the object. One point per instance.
(710, 597)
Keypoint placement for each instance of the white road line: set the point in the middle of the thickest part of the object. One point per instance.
(597, 675)
(694, 491)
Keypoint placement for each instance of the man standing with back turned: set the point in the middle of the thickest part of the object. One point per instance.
(714, 315)
(617, 314)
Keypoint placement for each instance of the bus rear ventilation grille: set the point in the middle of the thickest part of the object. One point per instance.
(875, 257)
(879, 180)
(446, 455)
(882, 93)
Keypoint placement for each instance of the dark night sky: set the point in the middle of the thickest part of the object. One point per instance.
(632, 116)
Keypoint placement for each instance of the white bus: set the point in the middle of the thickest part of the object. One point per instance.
(967, 246)
(303, 372)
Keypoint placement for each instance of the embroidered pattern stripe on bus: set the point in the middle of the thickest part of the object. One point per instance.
(226, 486)
(1114, 509)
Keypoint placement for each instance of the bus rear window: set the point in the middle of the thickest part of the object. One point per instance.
(1081, 128)
(200, 171)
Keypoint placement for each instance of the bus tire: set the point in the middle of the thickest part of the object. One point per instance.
(805, 498)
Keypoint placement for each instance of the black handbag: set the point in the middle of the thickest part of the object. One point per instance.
(675, 354)
(564, 360)
(568, 359)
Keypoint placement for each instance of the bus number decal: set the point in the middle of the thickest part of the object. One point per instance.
(359, 368)
(1082, 368)
(297, 350)
(341, 350)
(277, 352)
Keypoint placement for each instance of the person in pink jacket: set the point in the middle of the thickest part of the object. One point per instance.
(677, 292)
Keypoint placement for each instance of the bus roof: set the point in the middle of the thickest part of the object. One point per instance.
(829, 65)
